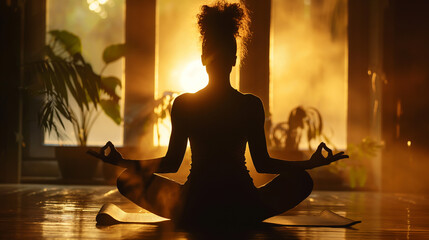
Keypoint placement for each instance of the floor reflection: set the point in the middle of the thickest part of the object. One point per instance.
(68, 212)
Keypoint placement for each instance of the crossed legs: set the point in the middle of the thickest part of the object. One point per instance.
(152, 192)
(285, 192)
(166, 197)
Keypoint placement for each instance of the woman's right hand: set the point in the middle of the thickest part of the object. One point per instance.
(107, 153)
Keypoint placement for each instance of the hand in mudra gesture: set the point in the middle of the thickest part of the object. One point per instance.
(108, 154)
(317, 159)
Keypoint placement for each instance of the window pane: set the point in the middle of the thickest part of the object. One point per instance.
(309, 62)
(98, 23)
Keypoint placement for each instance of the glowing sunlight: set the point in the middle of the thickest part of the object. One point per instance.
(193, 77)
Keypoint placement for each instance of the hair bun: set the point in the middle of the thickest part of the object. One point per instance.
(221, 20)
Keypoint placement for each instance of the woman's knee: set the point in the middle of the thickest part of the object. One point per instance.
(128, 182)
(307, 182)
(302, 184)
(295, 181)
(299, 181)
(121, 182)
(286, 191)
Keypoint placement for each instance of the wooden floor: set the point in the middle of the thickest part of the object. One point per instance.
(68, 212)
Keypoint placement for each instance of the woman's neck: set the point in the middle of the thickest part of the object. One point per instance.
(219, 83)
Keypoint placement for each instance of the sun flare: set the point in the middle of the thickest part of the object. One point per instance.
(193, 77)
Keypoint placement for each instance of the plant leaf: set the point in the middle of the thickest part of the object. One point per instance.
(60, 120)
(113, 53)
(90, 82)
(60, 78)
(109, 84)
(43, 115)
(80, 91)
(62, 108)
(111, 108)
(68, 40)
(47, 84)
(69, 81)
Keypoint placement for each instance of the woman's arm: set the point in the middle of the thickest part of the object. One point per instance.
(167, 164)
(258, 147)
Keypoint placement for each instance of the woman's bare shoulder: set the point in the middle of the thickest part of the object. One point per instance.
(182, 99)
(252, 100)
(181, 102)
(254, 106)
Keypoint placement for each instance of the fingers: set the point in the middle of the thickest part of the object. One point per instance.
(104, 148)
(102, 153)
(341, 156)
(328, 150)
(338, 156)
(320, 147)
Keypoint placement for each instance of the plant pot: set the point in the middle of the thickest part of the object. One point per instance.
(75, 164)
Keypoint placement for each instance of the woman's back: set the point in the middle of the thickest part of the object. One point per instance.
(217, 127)
(219, 184)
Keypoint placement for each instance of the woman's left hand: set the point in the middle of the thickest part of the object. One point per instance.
(317, 159)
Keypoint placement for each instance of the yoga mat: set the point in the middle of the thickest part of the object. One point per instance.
(111, 214)
(325, 219)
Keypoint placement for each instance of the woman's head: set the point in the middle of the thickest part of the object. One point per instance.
(220, 25)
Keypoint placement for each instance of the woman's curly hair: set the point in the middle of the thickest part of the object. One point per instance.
(221, 24)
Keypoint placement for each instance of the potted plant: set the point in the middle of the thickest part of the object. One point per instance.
(72, 91)
(286, 136)
(356, 170)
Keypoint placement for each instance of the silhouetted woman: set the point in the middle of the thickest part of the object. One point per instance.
(218, 121)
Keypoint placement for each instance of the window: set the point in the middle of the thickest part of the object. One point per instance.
(98, 23)
(308, 62)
